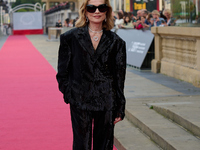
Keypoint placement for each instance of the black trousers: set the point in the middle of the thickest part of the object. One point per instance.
(88, 123)
(58, 32)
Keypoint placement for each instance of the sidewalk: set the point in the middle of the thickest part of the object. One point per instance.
(174, 99)
(145, 83)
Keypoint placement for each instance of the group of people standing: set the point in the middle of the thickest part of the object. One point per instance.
(67, 23)
(144, 19)
(70, 22)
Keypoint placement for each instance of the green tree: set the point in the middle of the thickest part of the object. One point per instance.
(176, 6)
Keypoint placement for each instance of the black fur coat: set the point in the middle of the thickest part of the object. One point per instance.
(92, 79)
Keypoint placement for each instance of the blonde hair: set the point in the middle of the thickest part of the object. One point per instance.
(156, 12)
(81, 22)
(167, 11)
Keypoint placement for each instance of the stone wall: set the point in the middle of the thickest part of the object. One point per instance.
(177, 53)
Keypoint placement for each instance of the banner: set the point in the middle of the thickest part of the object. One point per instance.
(27, 20)
(127, 5)
(150, 5)
(138, 43)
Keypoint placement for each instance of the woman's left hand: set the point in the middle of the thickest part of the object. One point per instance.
(117, 120)
(157, 19)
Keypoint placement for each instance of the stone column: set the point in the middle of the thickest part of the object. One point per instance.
(124, 5)
(120, 4)
(47, 4)
(156, 63)
(114, 7)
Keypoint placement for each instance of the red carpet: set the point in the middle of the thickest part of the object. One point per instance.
(33, 115)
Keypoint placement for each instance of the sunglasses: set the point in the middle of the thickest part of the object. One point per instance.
(101, 8)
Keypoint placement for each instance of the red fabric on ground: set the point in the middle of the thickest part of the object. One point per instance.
(27, 32)
(33, 115)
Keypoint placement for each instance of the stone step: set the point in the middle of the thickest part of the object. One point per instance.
(187, 124)
(168, 135)
(186, 114)
(128, 137)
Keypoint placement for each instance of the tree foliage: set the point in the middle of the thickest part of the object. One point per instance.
(177, 9)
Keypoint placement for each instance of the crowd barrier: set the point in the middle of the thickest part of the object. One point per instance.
(139, 46)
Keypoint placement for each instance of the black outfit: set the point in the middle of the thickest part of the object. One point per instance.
(92, 81)
(103, 131)
(58, 32)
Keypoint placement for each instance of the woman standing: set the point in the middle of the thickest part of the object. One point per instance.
(91, 74)
(127, 22)
(169, 20)
(157, 20)
(119, 21)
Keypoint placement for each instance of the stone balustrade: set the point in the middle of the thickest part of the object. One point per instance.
(177, 53)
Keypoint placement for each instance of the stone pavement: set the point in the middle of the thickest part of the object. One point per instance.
(163, 108)
(161, 112)
(2, 40)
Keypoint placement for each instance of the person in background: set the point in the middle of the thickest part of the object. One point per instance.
(122, 12)
(157, 20)
(125, 14)
(74, 22)
(162, 15)
(130, 14)
(66, 23)
(148, 19)
(151, 22)
(139, 14)
(145, 13)
(138, 24)
(58, 25)
(169, 20)
(119, 21)
(133, 18)
(71, 21)
(127, 22)
(143, 23)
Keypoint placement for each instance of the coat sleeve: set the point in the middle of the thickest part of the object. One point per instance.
(64, 57)
(120, 77)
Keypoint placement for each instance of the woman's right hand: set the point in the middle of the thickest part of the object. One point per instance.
(117, 120)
